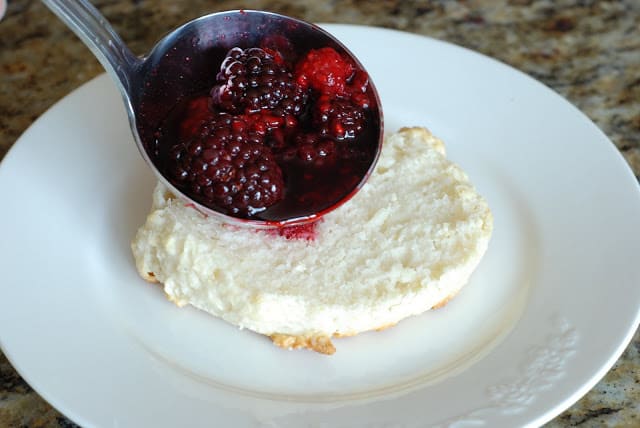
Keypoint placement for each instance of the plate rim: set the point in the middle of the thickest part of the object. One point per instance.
(586, 386)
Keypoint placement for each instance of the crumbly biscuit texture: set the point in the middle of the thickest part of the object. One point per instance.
(407, 242)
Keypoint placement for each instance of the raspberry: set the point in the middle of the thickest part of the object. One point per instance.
(338, 118)
(196, 115)
(228, 166)
(252, 80)
(324, 70)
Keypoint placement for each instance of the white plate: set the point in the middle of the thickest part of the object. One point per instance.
(551, 307)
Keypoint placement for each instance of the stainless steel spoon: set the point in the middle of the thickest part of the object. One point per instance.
(185, 62)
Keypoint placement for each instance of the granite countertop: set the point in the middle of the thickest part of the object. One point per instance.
(588, 51)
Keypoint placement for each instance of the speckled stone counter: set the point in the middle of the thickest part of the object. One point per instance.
(588, 51)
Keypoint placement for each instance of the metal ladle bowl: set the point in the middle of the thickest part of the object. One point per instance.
(184, 63)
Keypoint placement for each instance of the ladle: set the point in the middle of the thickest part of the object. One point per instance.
(185, 62)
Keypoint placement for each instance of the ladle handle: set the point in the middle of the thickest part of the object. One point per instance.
(96, 32)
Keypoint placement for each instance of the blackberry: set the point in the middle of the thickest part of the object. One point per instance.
(358, 89)
(252, 80)
(338, 118)
(226, 165)
(313, 149)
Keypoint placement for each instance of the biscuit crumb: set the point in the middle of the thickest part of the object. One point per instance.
(444, 301)
(321, 343)
(150, 277)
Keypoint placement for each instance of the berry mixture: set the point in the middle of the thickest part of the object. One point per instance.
(273, 138)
